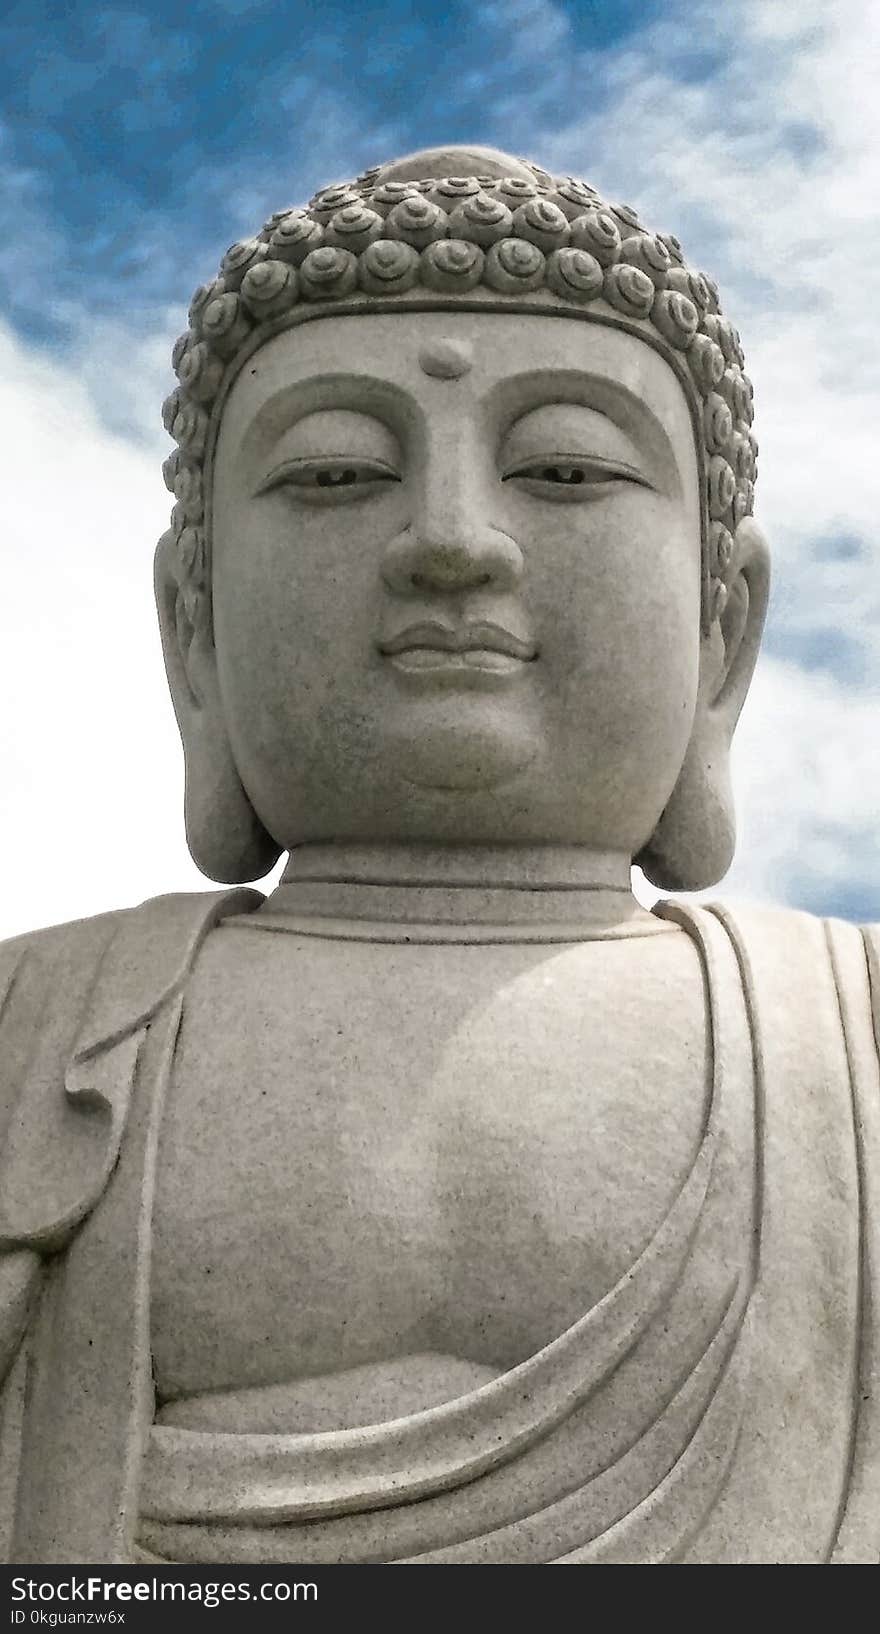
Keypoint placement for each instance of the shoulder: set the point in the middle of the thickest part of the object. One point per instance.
(72, 945)
(68, 987)
(45, 979)
(48, 967)
(871, 934)
(782, 924)
(764, 936)
(767, 918)
(66, 942)
(811, 963)
(759, 920)
(762, 922)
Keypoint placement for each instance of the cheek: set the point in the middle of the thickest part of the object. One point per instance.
(619, 588)
(294, 596)
(622, 571)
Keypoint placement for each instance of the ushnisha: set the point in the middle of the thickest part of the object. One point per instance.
(509, 239)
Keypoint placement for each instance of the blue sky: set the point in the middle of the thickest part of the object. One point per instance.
(138, 140)
(132, 125)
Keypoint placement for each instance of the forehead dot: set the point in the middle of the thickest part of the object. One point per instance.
(446, 359)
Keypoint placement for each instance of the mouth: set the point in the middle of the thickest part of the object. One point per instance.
(432, 648)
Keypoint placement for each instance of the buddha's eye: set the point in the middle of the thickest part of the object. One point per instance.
(322, 481)
(570, 477)
(554, 473)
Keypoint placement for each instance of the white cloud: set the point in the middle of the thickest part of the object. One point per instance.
(805, 766)
(91, 799)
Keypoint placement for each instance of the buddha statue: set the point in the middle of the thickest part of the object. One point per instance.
(447, 1205)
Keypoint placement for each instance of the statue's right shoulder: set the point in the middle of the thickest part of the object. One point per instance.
(45, 978)
(67, 986)
(65, 943)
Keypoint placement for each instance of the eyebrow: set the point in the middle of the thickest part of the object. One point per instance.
(537, 388)
(363, 393)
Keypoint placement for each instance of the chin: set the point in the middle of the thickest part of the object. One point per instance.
(456, 751)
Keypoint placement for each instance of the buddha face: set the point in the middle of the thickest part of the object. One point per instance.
(456, 580)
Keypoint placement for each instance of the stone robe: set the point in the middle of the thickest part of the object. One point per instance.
(761, 1444)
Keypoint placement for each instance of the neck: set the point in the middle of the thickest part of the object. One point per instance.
(536, 887)
(507, 867)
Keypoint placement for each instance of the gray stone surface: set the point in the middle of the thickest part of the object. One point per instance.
(446, 1205)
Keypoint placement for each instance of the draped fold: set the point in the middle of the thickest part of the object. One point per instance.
(276, 1478)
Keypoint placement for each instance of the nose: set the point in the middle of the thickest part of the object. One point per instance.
(449, 559)
(448, 546)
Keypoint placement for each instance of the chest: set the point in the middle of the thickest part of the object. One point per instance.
(372, 1150)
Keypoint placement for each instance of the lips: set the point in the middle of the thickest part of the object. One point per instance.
(477, 638)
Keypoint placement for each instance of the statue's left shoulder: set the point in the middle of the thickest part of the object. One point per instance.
(761, 924)
(808, 977)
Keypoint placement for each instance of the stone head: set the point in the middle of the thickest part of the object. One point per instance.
(462, 551)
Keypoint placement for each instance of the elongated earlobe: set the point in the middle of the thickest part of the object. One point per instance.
(226, 839)
(693, 844)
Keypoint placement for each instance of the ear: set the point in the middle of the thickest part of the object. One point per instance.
(693, 843)
(739, 627)
(226, 839)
